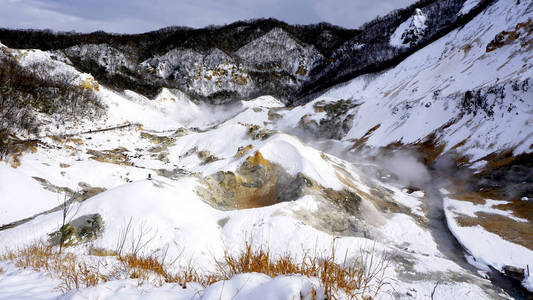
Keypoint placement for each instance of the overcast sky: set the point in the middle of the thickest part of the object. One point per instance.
(134, 16)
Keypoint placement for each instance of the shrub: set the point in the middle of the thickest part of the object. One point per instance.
(73, 272)
(361, 277)
(26, 91)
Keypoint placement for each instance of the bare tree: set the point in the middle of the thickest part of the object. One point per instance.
(137, 239)
(66, 212)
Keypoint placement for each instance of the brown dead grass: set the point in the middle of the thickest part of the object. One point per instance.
(14, 147)
(102, 252)
(356, 279)
(15, 162)
(497, 160)
(359, 143)
(476, 197)
(429, 149)
(520, 209)
(57, 139)
(116, 156)
(507, 228)
(72, 272)
(507, 37)
(77, 141)
(143, 266)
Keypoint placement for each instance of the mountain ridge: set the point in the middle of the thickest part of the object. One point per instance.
(346, 53)
(426, 165)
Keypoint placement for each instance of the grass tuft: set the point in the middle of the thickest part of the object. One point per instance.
(102, 252)
(72, 272)
(353, 279)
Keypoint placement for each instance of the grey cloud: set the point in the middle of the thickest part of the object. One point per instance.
(130, 16)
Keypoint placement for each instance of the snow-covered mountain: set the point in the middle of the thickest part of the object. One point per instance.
(248, 59)
(417, 171)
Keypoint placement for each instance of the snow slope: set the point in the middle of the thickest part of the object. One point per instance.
(193, 232)
(181, 145)
(460, 93)
(425, 94)
(22, 196)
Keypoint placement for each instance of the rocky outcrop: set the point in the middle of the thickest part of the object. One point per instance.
(84, 228)
(278, 51)
(201, 74)
(411, 31)
(105, 56)
(256, 183)
(335, 124)
(259, 182)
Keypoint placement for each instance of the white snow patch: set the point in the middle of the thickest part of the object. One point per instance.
(470, 209)
(22, 196)
(468, 6)
(416, 24)
(263, 101)
(26, 284)
(488, 248)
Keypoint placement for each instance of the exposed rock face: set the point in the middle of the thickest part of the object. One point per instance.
(259, 182)
(84, 228)
(280, 52)
(491, 99)
(216, 74)
(256, 183)
(335, 124)
(411, 31)
(105, 56)
(201, 74)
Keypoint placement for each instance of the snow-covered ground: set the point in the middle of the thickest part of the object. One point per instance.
(184, 146)
(424, 94)
(426, 98)
(193, 232)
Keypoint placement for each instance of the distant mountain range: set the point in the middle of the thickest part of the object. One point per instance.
(247, 59)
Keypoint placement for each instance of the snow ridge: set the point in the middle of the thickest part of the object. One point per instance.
(410, 31)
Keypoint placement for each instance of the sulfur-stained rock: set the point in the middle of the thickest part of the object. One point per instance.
(259, 182)
(84, 228)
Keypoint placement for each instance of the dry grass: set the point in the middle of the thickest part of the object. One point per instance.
(143, 266)
(102, 252)
(356, 279)
(15, 163)
(154, 268)
(72, 272)
(57, 139)
(1, 271)
(77, 141)
(521, 209)
(507, 228)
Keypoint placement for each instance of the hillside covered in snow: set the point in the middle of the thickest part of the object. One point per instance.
(247, 59)
(262, 160)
